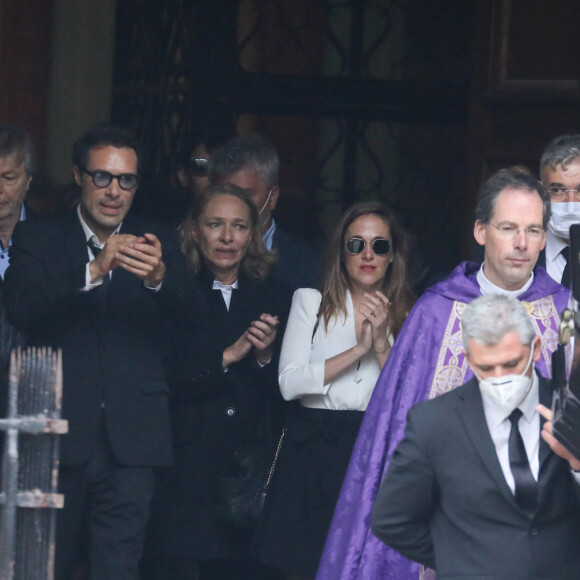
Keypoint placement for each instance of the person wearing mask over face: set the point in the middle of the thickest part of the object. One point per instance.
(227, 331)
(472, 490)
(512, 215)
(252, 163)
(560, 174)
(334, 348)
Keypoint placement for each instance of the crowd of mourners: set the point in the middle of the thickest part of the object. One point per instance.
(243, 405)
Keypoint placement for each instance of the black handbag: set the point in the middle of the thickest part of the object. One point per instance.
(243, 493)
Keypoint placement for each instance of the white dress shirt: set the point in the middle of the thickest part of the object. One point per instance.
(301, 370)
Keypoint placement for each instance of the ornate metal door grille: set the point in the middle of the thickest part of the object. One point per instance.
(364, 99)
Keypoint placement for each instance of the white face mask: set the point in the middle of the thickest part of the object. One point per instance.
(507, 392)
(563, 216)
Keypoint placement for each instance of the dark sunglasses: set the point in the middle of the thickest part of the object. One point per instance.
(380, 246)
(127, 181)
(199, 166)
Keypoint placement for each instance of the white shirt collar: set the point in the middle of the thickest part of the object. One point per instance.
(217, 285)
(488, 287)
(89, 234)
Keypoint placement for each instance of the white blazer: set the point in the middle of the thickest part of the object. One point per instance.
(301, 370)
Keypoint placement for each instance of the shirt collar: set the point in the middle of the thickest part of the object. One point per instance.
(268, 237)
(89, 234)
(217, 285)
(488, 287)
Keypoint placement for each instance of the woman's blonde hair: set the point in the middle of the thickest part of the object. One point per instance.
(394, 285)
(257, 260)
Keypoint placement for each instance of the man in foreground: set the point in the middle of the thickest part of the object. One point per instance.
(473, 490)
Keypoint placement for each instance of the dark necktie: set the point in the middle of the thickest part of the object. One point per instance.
(102, 290)
(526, 486)
(565, 253)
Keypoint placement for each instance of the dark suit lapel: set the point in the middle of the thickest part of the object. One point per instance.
(75, 240)
(242, 307)
(470, 410)
(548, 460)
(546, 400)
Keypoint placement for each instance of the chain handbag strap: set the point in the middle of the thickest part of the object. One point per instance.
(273, 466)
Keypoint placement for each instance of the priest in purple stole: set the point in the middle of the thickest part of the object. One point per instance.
(511, 219)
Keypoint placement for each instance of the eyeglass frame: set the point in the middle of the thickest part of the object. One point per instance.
(111, 176)
(372, 244)
(512, 231)
(566, 191)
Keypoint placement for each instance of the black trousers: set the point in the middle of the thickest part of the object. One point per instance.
(105, 514)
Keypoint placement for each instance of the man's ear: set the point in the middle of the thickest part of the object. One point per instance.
(76, 175)
(479, 232)
(28, 183)
(274, 197)
(537, 342)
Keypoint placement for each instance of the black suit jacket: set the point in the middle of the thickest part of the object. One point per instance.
(215, 414)
(112, 354)
(10, 338)
(445, 503)
(299, 264)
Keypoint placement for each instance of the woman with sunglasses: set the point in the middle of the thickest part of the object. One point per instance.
(334, 348)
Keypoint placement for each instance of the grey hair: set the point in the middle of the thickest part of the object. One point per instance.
(251, 152)
(490, 317)
(510, 178)
(14, 140)
(561, 150)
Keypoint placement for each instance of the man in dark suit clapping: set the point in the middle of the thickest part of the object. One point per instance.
(86, 282)
(473, 490)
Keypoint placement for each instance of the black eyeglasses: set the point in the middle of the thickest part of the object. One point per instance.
(127, 181)
(380, 246)
(199, 166)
